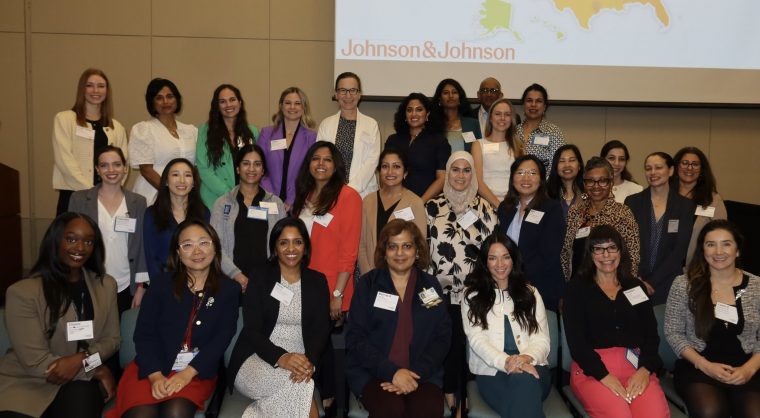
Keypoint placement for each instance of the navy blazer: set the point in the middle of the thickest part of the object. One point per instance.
(540, 246)
(86, 202)
(260, 312)
(370, 332)
(671, 255)
(163, 320)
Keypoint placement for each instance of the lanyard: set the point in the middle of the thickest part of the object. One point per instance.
(193, 315)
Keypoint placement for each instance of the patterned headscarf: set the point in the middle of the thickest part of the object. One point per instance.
(460, 201)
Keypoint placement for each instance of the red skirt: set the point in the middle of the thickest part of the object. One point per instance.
(133, 391)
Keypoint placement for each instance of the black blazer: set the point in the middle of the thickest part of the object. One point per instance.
(260, 311)
(540, 246)
(671, 254)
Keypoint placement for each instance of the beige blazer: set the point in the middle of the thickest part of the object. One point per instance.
(700, 222)
(22, 369)
(368, 240)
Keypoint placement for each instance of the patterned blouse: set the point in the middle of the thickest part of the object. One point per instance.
(614, 214)
(453, 249)
(543, 142)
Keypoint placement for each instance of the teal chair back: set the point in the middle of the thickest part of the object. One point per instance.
(5, 339)
(551, 318)
(228, 351)
(127, 349)
(567, 361)
(666, 352)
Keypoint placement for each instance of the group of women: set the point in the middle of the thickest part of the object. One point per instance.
(420, 247)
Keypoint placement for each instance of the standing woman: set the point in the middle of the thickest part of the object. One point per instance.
(458, 222)
(120, 216)
(566, 179)
(623, 184)
(695, 181)
(494, 154)
(711, 321)
(500, 307)
(155, 142)
(537, 225)
(79, 132)
(186, 321)
(539, 136)
(418, 135)
(665, 221)
(178, 199)
(450, 102)
(355, 134)
(285, 144)
(43, 372)
(226, 131)
(244, 217)
(392, 201)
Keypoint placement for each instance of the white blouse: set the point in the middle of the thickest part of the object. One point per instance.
(496, 164)
(625, 189)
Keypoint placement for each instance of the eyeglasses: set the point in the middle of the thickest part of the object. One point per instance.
(344, 92)
(692, 164)
(602, 182)
(526, 173)
(188, 247)
(599, 250)
(489, 91)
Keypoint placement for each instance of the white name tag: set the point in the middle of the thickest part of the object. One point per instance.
(726, 313)
(468, 137)
(467, 219)
(405, 214)
(278, 144)
(386, 301)
(534, 216)
(632, 357)
(257, 212)
(83, 132)
(92, 362)
(583, 232)
(541, 140)
(271, 207)
(708, 211)
(672, 226)
(490, 148)
(282, 294)
(125, 224)
(79, 330)
(183, 360)
(635, 295)
(324, 220)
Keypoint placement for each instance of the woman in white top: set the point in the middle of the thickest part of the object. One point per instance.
(155, 142)
(79, 132)
(494, 154)
(355, 134)
(507, 332)
(623, 184)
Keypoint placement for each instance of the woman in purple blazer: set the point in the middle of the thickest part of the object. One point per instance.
(285, 144)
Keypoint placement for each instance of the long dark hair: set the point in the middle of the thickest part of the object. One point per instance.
(464, 105)
(54, 273)
(305, 183)
(601, 234)
(479, 287)
(218, 136)
(294, 222)
(698, 276)
(434, 123)
(702, 193)
(513, 198)
(180, 276)
(614, 144)
(162, 207)
(555, 187)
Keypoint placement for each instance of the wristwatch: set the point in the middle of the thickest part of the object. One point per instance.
(337, 293)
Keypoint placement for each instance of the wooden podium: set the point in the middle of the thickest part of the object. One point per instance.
(10, 225)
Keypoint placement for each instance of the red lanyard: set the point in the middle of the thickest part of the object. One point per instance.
(193, 314)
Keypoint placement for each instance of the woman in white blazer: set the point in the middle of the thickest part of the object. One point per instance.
(355, 134)
(510, 363)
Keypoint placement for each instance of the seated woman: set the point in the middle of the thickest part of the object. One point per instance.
(499, 307)
(565, 182)
(44, 372)
(398, 330)
(712, 324)
(612, 334)
(186, 321)
(623, 185)
(286, 325)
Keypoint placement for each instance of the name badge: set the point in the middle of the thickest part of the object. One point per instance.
(583, 232)
(726, 313)
(83, 132)
(672, 226)
(490, 148)
(278, 144)
(542, 140)
(534, 216)
(430, 297)
(125, 224)
(282, 294)
(183, 360)
(386, 301)
(633, 357)
(467, 219)
(79, 330)
(405, 214)
(92, 362)
(257, 212)
(708, 211)
(227, 209)
(635, 295)
(468, 137)
(271, 207)
(324, 220)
